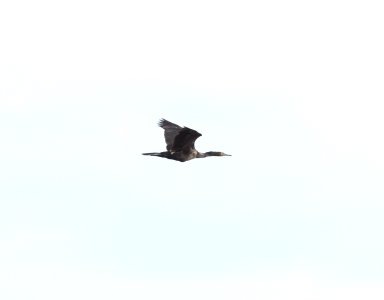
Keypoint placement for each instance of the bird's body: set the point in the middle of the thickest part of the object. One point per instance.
(181, 143)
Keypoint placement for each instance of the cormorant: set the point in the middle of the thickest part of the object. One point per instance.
(181, 143)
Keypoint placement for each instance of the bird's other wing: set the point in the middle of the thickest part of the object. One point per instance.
(185, 139)
(171, 130)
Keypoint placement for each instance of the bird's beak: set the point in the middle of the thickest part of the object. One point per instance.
(227, 154)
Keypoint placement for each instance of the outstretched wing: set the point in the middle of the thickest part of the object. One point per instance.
(185, 140)
(171, 130)
(177, 137)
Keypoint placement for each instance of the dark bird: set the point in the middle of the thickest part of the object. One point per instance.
(181, 143)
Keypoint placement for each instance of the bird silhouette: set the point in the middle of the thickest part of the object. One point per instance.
(181, 143)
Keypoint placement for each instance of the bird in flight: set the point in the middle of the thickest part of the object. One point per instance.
(181, 143)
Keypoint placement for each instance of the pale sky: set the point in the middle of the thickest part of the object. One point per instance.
(292, 89)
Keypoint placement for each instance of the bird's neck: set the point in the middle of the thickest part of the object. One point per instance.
(209, 153)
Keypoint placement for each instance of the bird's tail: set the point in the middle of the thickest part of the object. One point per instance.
(153, 153)
(165, 154)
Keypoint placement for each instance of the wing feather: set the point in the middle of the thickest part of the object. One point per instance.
(185, 140)
(171, 130)
(178, 138)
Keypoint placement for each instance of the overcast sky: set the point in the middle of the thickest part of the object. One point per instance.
(292, 89)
